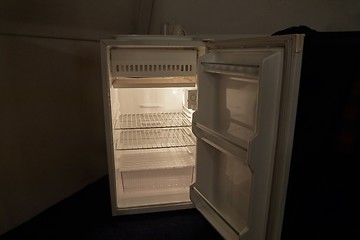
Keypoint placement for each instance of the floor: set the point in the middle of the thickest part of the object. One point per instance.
(87, 215)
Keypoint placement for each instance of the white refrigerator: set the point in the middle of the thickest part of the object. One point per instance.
(202, 123)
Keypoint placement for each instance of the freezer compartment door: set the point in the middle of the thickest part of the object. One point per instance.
(236, 129)
(149, 68)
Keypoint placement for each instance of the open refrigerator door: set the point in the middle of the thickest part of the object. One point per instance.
(244, 116)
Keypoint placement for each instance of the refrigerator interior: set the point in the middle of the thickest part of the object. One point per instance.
(154, 147)
(152, 93)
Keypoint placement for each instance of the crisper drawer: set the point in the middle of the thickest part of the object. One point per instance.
(157, 178)
(156, 170)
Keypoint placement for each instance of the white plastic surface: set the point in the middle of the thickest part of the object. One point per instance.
(138, 62)
(237, 138)
(147, 100)
(226, 183)
(232, 90)
(158, 178)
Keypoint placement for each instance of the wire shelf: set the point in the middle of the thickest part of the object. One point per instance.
(155, 138)
(152, 120)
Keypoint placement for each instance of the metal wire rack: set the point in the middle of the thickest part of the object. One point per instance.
(152, 120)
(155, 138)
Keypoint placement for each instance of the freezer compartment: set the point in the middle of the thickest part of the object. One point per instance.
(149, 68)
(147, 62)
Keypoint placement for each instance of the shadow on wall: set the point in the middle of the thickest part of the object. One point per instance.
(53, 140)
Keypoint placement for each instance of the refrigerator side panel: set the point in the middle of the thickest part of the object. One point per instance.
(108, 123)
(287, 120)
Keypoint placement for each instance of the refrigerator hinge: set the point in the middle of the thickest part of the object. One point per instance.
(299, 41)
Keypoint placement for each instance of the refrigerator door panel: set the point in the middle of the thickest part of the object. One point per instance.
(236, 129)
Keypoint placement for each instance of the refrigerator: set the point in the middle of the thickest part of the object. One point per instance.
(210, 124)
